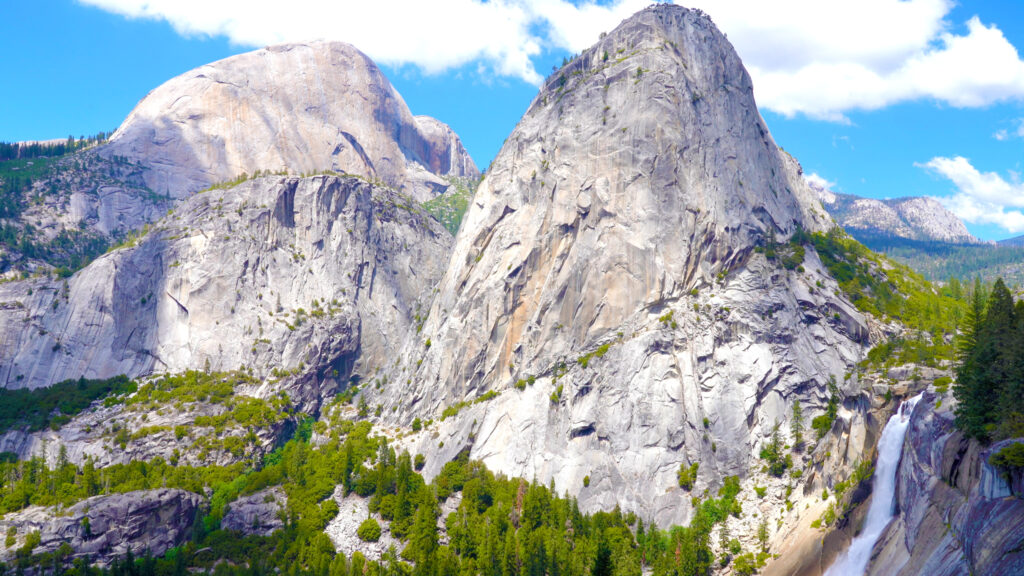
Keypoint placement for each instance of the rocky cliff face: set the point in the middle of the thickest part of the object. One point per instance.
(261, 513)
(920, 218)
(295, 107)
(605, 285)
(294, 278)
(958, 515)
(145, 521)
(72, 209)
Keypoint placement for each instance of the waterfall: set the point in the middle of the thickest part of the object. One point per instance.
(854, 561)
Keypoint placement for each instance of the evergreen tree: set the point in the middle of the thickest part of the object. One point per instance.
(796, 425)
(603, 560)
(423, 535)
(510, 566)
(970, 409)
(723, 542)
(762, 535)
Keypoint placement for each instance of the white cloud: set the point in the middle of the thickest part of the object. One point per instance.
(818, 182)
(501, 35)
(821, 59)
(981, 197)
(831, 58)
(1004, 134)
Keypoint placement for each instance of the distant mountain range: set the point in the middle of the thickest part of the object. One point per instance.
(1016, 241)
(914, 218)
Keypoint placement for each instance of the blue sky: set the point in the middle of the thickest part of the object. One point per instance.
(880, 98)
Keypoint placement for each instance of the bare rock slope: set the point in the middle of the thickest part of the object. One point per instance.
(296, 278)
(605, 291)
(105, 528)
(295, 107)
(918, 218)
(957, 514)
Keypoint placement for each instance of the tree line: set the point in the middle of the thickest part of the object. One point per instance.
(502, 526)
(990, 368)
(29, 150)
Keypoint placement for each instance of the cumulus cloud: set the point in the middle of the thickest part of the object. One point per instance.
(981, 197)
(818, 182)
(501, 36)
(820, 59)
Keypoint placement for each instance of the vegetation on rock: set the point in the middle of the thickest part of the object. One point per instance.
(54, 406)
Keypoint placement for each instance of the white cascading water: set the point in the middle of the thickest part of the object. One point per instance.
(854, 561)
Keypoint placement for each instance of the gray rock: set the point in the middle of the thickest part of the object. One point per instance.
(298, 279)
(261, 513)
(147, 520)
(295, 107)
(624, 210)
(343, 529)
(957, 515)
(80, 199)
(916, 218)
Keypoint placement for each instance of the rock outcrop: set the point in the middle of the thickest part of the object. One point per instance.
(75, 207)
(296, 107)
(296, 278)
(120, 434)
(105, 528)
(261, 513)
(343, 530)
(605, 283)
(920, 219)
(958, 515)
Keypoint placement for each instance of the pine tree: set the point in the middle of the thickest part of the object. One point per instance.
(603, 560)
(723, 541)
(510, 563)
(970, 411)
(796, 425)
(762, 535)
(423, 535)
(994, 356)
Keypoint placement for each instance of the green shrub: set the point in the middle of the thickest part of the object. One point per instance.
(748, 564)
(586, 481)
(687, 475)
(1010, 456)
(419, 462)
(556, 396)
(417, 425)
(31, 541)
(369, 530)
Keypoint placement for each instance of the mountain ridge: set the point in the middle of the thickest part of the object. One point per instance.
(919, 218)
(643, 304)
(268, 110)
(608, 271)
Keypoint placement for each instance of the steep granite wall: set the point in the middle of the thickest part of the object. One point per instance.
(606, 287)
(280, 274)
(957, 513)
(295, 107)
